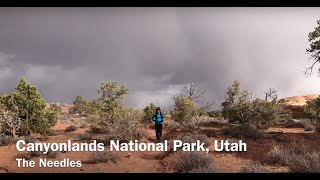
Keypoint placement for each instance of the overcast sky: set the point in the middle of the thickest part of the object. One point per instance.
(67, 52)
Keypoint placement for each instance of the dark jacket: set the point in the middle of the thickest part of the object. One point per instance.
(158, 118)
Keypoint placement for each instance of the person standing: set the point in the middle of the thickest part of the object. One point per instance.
(158, 118)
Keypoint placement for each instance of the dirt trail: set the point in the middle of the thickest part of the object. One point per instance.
(147, 162)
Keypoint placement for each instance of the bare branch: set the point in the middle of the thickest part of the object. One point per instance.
(309, 70)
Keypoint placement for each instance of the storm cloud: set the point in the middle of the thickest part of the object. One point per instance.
(155, 52)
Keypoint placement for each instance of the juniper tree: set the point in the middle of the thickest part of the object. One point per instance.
(240, 107)
(112, 95)
(30, 107)
(312, 110)
(79, 105)
(187, 105)
(148, 112)
(314, 48)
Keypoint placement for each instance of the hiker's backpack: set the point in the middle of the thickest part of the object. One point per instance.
(161, 115)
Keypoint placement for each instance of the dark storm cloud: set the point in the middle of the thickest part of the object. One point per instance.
(156, 51)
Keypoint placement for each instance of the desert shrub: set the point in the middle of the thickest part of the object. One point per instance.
(71, 128)
(209, 132)
(32, 154)
(283, 154)
(305, 163)
(215, 114)
(278, 155)
(239, 107)
(84, 107)
(309, 127)
(10, 122)
(294, 124)
(184, 109)
(104, 157)
(56, 106)
(174, 126)
(190, 126)
(29, 139)
(254, 168)
(35, 116)
(113, 119)
(312, 110)
(148, 112)
(296, 157)
(84, 125)
(102, 138)
(52, 132)
(243, 131)
(121, 124)
(85, 137)
(187, 105)
(52, 154)
(193, 162)
(79, 105)
(6, 140)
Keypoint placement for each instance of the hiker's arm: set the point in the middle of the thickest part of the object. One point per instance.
(162, 117)
(153, 118)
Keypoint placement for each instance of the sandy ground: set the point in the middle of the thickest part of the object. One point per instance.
(150, 162)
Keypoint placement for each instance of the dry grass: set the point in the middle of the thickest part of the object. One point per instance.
(255, 167)
(85, 137)
(71, 128)
(297, 157)
(104, 157)
(309, 127)
(244, 131)
(6, 140)
(52, 154)
(194, 162)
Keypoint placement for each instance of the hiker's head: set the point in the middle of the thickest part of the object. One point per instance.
(158, 110)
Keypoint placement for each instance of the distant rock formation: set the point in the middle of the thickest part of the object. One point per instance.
(295, 103)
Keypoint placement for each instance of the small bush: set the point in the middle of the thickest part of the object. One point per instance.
(309, 127)
(189, 162)
(305, 163)
(85, 137)
(34, 154)
(122, 124)
(278, 155)
(6, 140)
(102, 138)
(104, 157)
(243, 131)
(71, 128)
(29, 139)
(148, 112)
(52, 154)
(283, 154)
(209, 132)
(254, 168)
(294, 124)
(52, 132)
(84, 125)
(174, 126)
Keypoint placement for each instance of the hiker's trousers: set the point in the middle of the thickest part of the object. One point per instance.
(158, 128)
